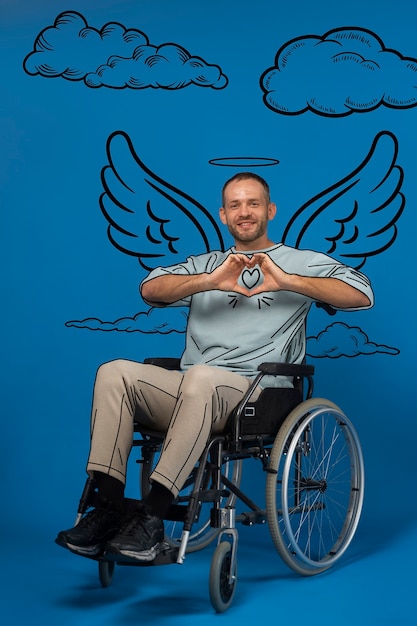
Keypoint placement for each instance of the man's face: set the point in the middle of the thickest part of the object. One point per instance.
(246, 213)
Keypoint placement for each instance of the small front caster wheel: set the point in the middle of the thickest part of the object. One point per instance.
(222, 581)
(105, 572)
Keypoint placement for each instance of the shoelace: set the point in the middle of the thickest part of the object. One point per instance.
(92, 518)
(135, 521)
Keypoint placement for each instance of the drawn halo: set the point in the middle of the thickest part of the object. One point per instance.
(243, 161)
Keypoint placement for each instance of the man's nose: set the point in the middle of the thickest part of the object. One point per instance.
(245, 211)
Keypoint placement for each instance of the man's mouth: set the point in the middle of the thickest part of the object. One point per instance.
(246, 225)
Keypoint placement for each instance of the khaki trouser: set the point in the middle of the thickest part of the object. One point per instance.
(187, 407)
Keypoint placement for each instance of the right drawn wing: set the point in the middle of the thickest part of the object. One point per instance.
(355, 218)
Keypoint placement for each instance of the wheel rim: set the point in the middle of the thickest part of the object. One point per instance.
(319, 490)
(226, 588)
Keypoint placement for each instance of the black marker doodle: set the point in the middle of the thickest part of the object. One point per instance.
(347, 70)
(339, 340)
(356, 218)
(148, 215)
(115, 57)
(250, 278)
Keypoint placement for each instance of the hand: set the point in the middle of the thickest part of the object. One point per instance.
(226, 276)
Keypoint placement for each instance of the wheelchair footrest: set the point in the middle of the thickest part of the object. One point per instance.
(166, 556)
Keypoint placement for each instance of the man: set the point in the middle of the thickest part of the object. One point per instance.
(247, 305)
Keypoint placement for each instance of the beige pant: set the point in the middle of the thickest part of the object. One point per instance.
(188, 407)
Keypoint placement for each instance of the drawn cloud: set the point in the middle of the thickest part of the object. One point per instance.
(339, 339)
(347, 70)
(153, 321)
(335, 341)
(115, 57)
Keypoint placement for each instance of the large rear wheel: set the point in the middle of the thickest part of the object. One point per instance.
(315, 486)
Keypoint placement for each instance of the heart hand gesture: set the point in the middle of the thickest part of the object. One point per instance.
(250, 270)
(274, 278)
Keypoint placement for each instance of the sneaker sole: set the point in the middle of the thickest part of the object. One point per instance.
(81, 550)
(143, 556)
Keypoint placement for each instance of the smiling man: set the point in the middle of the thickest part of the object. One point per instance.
(247, 305)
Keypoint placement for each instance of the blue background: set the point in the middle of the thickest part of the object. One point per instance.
(59, 267)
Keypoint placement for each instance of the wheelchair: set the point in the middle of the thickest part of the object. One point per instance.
(313, 463)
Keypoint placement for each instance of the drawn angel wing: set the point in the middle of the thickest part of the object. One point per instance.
(149, 218)
(355, 218)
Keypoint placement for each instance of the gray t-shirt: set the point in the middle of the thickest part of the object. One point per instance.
(238, 333)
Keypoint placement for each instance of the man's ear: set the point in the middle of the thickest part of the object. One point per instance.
(272, 210)
(222, 215)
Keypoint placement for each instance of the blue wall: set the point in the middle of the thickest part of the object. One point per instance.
(318, 98)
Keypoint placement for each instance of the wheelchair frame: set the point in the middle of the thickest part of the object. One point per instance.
(314, 468)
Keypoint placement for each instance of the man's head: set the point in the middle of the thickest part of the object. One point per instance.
(246, 210)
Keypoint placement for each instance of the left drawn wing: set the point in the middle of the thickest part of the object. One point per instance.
(355, 218)
(149, 218)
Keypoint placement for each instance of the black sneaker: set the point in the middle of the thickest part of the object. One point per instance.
(92, 532)
(140, 538)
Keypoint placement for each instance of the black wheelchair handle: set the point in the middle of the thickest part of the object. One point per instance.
(167, 362)
(286, 369)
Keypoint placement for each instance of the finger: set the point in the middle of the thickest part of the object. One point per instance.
(259, 257)
(243, 259)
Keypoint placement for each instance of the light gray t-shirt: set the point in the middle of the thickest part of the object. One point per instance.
(238, 333)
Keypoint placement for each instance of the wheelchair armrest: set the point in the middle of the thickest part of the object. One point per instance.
(274, 369)
(168, 362)
(287, 369)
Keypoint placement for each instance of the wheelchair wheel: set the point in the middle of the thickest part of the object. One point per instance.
(314, 487)
(202, 533)
(105, 572)
(222, 581)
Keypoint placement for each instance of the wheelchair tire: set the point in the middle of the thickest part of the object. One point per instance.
(202, 533)
(314, 486)
(222, 582)
(105, 572)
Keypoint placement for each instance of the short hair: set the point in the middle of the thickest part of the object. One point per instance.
(245, 176)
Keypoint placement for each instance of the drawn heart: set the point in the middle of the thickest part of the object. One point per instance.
(250, 278)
